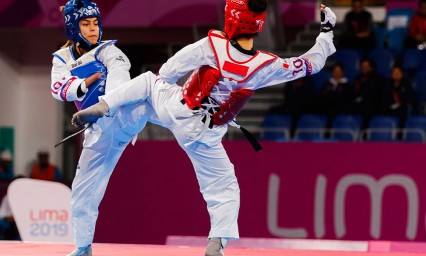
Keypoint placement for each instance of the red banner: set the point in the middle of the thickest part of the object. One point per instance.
(353, 191)
(137, 13)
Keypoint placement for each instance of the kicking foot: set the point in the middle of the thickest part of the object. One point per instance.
(214, 248)
(82, 251)
(90, 114)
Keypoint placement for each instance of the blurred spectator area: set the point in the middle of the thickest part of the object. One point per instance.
(344, 128)
(152, 31)
(391, 24)
(389, 50)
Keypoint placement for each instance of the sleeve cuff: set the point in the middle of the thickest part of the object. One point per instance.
(69, 91)
(327, 38)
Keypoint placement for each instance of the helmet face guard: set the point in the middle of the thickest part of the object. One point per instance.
(240, 20)
(74, 11)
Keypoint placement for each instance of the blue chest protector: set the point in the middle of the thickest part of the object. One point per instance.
(97, 88)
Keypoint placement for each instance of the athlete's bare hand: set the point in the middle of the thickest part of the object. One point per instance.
(91, 79)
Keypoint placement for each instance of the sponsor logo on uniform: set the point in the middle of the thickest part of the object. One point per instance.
(66, 87)
(120, 58)
(239, 2)
(89, 11)
(259, 23)
(235, 13)
(76, 64)
(309, 68)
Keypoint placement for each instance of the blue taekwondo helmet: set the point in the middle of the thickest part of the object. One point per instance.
(74, 11)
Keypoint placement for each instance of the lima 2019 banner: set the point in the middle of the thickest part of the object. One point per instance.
(349, 191)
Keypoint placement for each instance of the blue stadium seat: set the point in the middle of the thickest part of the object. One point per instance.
(415, 129)
(397, 23)
(310, 127)
(420, 86)
(350, 59)
(380, 35)
(346, 127)
(276, 127)
(410, 60)
(384, 60)
(382, 128)
(414, 60)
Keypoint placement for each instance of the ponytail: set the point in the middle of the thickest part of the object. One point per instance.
(68, 43)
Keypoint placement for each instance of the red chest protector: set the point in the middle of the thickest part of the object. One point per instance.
(202, 80)
(198, 87)
(232, 107)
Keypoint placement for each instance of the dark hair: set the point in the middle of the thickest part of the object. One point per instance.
(257, 5)
(397, 66)
(370, 61)
(338, 65)
(248, 36)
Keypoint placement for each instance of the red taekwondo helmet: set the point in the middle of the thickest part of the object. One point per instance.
(239, 19)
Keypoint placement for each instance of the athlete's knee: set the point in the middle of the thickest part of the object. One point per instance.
(148, 76)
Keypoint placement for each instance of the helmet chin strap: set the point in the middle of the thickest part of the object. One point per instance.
(86, 46)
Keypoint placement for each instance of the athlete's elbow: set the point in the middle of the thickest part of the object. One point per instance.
(56, 96)
(167, 77)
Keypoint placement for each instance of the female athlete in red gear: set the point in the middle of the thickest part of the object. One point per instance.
(227, 72)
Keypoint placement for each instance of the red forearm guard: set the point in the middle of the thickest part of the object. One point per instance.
(199, 84)
(230, 109)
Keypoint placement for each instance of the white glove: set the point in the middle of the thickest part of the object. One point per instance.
(328, 20)
(83, 87)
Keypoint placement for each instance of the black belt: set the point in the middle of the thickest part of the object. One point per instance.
(204, 118)
(253, 141)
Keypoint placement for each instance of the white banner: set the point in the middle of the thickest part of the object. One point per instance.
(41, 210)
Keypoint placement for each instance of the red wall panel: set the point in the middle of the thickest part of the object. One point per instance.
(354, 191)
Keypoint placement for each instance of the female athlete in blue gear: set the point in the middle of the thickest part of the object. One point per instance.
(84, 69)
